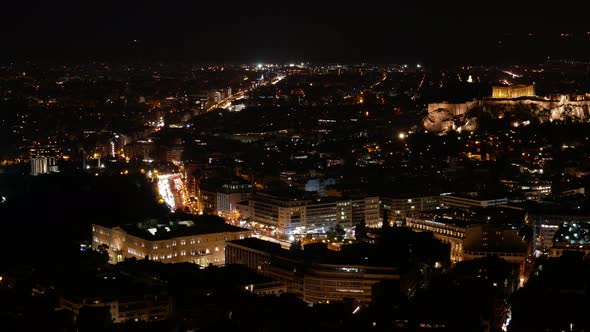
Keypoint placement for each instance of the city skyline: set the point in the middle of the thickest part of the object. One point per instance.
(294, 166)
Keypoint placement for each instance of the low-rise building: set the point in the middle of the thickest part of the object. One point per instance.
(465, 201)
(474, 234)
(322, 276)
(399, 207)
(302, 213)
(199, 241)
(443, 229)
(545, 226)
(143, 307)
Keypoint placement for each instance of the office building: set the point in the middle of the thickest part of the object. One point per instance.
(320, 275)
(397, 208)
(473, 234)
(297, 213)
(222, 197)
(467, 202)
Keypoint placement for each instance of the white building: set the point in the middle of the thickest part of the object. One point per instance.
(43, 165)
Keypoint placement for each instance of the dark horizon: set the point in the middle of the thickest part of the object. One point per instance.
(371, 32)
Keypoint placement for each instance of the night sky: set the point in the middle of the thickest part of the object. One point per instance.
(282, 31)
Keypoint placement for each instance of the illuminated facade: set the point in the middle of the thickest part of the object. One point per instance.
(202, 243)
(514, 91)
(471, 202)
(43, 165)
(223, 198)
(43, 159)
(36, 151)
(300, 215)
(444, 232)
(399, 208)
(291, 215)
(366, 209)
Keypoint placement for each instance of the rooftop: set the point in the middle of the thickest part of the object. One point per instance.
(198, 225)
(360, 254)
(258, 244)
(571, 232)
(464, 217)
(235, 184)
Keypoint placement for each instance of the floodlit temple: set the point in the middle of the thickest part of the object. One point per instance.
(514, 91)
(446, 116)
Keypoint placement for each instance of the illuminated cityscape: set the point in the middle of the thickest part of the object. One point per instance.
(310, 166)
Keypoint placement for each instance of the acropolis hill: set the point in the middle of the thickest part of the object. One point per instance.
(505, 99)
